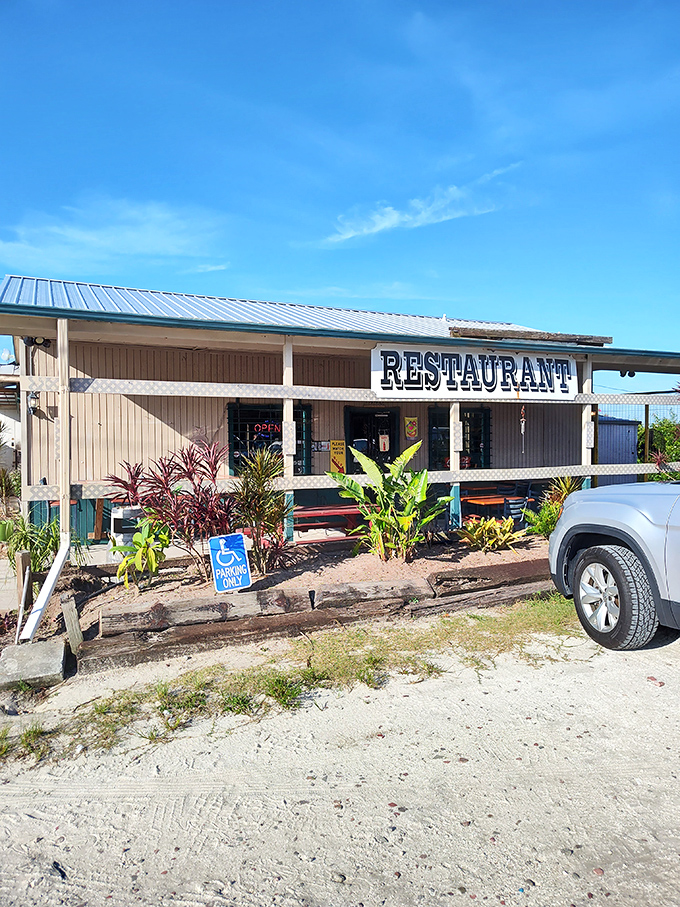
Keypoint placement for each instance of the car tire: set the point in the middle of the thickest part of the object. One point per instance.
(613, 597)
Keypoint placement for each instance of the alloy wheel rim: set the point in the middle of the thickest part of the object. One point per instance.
(599, 597)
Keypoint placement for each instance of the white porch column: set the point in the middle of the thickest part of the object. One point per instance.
(455, 447)
(64, 448)
(288, 432)
(288, 427)
(24, 370)
(587, 424)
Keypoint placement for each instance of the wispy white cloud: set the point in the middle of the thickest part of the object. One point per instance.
(395, 290)
(207, 269)
(103, 235)
(442, 205)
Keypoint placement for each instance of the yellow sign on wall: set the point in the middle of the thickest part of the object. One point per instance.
(338, 457)
(411, 427)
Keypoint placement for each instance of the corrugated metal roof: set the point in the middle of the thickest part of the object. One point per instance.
(42, 296)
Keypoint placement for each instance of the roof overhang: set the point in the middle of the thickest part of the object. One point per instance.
(511, 333)
(31, 320)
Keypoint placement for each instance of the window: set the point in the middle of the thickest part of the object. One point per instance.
(476, 437)
(371, 432)
(254, 427)
(438, 438)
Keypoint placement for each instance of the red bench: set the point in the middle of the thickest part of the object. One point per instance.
(344, 517)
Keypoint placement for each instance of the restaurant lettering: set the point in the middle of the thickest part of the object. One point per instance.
(465, 373)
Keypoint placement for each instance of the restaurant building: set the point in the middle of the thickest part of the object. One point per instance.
(112, 374)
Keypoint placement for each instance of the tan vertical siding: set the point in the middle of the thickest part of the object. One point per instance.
(332, 371)
(107, 428)
(552, 435)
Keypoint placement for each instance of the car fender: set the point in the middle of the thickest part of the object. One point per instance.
(643, 533)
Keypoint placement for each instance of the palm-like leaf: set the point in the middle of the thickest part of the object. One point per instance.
(393, 504)
(370, 467)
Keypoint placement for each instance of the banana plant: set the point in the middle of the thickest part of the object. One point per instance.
(393, 504)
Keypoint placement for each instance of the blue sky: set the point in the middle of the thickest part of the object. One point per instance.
(513, 161)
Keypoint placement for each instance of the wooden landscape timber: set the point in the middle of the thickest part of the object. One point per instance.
(482, 598)
(345, 595)
(126, 617)
(138, 648)
(451, 582)
(133, 635)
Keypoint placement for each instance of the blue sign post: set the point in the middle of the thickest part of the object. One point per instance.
(229, 560)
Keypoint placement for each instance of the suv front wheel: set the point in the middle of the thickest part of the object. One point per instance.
(613, 597)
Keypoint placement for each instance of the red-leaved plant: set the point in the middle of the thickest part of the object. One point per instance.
(665, 472)
(181, 493)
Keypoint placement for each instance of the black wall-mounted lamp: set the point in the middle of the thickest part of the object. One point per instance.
(37, 341)
(32, 400)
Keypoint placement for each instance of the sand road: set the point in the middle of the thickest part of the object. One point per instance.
(549, 785)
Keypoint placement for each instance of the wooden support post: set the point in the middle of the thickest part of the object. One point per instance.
(288, 433)
(73, 631)
(98, 521)
(23, 561)
(24, 371)
(64, 452)
(587, 427)
(596, 439)
(645, 478)
(455, 447)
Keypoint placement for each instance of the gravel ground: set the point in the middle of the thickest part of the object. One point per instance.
(548, 785)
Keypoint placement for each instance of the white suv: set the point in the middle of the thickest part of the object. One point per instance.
(616, 550)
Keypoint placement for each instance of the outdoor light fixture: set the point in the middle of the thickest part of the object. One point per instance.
(32, 400)
(37, 341)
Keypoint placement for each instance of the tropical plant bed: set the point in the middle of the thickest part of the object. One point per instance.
(179, 612)
(320, 588)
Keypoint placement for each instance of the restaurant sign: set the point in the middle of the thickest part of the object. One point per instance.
(462, 373)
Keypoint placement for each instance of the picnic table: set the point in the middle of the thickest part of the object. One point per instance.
(492, 500)
(333, 516)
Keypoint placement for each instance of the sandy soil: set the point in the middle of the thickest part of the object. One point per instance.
(555, 785)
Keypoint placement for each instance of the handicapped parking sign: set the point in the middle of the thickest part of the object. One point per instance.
(229, 561)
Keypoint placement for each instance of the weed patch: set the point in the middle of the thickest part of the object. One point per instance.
(284, 689)
(237, 703)
(338, 658)
(34, 742)
(6, 745)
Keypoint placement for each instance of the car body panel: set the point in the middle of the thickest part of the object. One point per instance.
(637, 515)
(672, 555)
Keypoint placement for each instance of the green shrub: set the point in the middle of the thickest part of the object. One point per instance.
(560, 488)
(10, 486)
(283, 689)
(489, 533)
(146, 553)
(543, 522)
(261, 508)
(6, 529)
(43, 543)
(393, 504)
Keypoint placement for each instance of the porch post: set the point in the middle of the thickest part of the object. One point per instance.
(645, 477)
(63, 451)
(587, 425)
(288, 434)
(455, 447)
(24, 370)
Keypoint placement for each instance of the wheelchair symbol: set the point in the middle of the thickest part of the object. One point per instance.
(226, 557)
